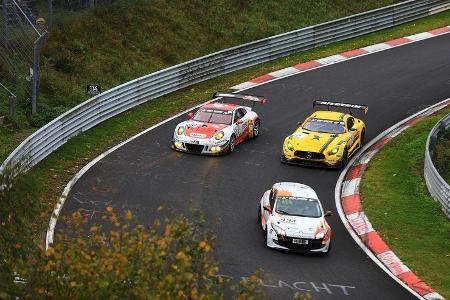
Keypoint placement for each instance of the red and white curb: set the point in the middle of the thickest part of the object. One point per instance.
(314, 64)
(350, 209)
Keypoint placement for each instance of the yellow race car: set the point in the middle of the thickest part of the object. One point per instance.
(326, 138)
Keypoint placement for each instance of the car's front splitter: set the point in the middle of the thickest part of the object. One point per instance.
(224, 150)
(310, 163)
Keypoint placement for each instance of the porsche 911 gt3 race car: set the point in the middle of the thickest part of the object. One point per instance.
(326, 138)
(292, 218)
(217, 127)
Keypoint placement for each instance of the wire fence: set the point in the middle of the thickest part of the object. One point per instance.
(20, 45)
(23, 25)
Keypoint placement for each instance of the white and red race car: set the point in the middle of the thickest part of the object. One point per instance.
(217, 127)
(292, 218)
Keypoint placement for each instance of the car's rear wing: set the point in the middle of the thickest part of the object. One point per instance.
(350, 106)
(252, 98)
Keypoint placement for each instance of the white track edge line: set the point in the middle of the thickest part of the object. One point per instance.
(337, 196)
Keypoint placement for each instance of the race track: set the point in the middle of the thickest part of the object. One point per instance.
(146, 173)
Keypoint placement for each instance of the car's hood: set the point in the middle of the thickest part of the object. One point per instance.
(202, 130)
(313, 141)
(296, 226)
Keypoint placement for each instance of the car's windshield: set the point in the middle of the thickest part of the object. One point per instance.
(327, 126)
(213, 116)
(296, 206)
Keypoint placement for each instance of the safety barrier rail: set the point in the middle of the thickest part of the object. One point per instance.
(128, 95)
(438, 188)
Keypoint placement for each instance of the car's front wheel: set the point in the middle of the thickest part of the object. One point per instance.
(256, 127)
(232, 143)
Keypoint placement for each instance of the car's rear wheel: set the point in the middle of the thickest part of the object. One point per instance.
(344, 158)
(232, 143)
(256, 127)
(363, 135)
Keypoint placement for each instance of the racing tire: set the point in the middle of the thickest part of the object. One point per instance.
(259, 215)
(344, 158)
(256, 128)
(265, 237)
(232, 144)
(363, 134)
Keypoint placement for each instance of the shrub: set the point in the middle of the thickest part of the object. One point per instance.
(169, 259)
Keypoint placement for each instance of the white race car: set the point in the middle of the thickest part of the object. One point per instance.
(216, 128)
(292, 218)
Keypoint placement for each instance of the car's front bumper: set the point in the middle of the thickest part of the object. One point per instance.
(285, 243)
(203, 147)
(324, 163)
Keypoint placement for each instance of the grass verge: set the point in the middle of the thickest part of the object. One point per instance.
(51, 175)
(397, 203)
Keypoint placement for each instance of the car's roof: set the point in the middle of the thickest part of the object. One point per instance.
(221, 106)
(294, 189)
(329, 115)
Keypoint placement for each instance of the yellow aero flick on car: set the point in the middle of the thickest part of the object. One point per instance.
(326, 138)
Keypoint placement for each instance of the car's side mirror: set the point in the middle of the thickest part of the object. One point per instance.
(267, 208)
(239, 121)
(353, 129)
(190, 115)
(328, 213)
(300, 124)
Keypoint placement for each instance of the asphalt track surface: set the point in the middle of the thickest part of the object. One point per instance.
(146, 173)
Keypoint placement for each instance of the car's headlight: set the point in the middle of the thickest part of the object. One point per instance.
(219, 135)
(321, 234)
(278, 229)
(289, 145)
(180, 130)
(333, 151)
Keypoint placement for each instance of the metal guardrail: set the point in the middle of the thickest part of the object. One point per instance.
(128, 95)
(438, 188)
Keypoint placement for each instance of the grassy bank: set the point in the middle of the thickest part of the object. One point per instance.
(397, 202)
(50, 176)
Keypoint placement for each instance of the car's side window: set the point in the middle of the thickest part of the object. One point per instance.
(242, 112)
(350, 123)
(272, 197)
(236, 116)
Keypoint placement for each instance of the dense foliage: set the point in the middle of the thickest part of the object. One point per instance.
(169, 259)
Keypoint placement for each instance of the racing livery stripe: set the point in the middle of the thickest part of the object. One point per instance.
(351, 204)
(309, 65)
(330, 140)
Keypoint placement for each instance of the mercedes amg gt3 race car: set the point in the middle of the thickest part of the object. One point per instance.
(292, 218)
(326, 138)
(217, 127)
